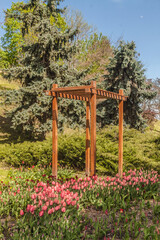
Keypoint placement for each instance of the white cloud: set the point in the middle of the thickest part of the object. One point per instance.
(141, 17)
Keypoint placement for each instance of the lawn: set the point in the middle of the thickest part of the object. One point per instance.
(34, 205)
(4, 120)
(4, 169)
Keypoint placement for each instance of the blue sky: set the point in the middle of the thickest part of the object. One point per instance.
(137, 20)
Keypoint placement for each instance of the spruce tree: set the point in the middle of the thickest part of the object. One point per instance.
(125, 71)
(44, 62)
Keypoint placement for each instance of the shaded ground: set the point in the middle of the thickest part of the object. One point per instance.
(144, 216)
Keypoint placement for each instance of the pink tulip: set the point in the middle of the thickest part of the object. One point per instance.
(50, 211)
(47, 203)
(41, 213)
(73, 203)
(40, 203)
(63, 209)
(57, 207)
(21, 212)
(44, 208)
(33, 196)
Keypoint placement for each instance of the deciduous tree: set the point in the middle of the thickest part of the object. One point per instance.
(151, 108)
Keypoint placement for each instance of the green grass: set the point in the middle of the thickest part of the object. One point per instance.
(6, 85)
(4, 169)
(4, 120)
(3, 174)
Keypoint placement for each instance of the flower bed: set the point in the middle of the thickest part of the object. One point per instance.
(89, 208)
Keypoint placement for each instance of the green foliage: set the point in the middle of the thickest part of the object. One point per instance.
(3, 174)
(13, 39)
(44, 62)
(28, 152)
(151, 108)
(125, 71)
(71, 150)
(5, 85)
(94, 54)
(141, 150)
(3, 59)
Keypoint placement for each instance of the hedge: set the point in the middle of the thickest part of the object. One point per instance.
(141, 150)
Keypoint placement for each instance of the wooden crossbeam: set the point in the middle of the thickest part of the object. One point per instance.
(71, 96)
(84, 93)
(67, 95)
(106, 94)
(65, 89)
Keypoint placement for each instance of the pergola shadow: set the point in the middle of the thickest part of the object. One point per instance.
(89, 94)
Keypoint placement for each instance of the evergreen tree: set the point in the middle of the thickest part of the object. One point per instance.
(12, 40)
(125, 71)
(44, 62)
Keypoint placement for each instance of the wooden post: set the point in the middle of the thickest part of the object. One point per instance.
(120, 163)
(88, 138)
(93, 130)
(54, 133)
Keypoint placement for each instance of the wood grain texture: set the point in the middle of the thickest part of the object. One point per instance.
(93, 131)
(120, 162)
(54, 133)
(88, 138)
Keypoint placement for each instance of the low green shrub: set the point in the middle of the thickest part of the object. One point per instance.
(71, 150)
(30, 153)
(141, 150)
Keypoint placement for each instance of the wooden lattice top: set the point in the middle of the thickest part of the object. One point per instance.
(83, 93)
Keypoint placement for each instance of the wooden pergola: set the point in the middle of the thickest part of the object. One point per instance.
(89, 94)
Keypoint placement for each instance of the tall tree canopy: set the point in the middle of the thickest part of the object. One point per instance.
(125, 71)
(94, 54)
(13, 38)
(44, 62)
(3, 59)
(151, 108)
